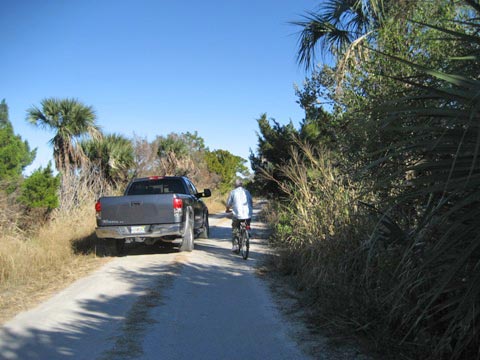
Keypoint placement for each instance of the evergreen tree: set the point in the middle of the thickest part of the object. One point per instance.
(40, 189)
(226, 165)
(274, 144)
(15, 154)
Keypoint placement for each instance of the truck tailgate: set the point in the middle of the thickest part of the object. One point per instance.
(137, 210)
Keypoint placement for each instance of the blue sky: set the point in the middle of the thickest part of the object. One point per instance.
(154, 67)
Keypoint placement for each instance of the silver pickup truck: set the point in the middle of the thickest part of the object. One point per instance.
(153, 209)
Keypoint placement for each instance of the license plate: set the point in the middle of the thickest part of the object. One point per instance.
(137, 229)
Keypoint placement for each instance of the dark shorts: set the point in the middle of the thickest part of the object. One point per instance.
(236, 222)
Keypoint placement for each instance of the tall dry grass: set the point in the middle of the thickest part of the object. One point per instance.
(45, 258)
(321, 232)
(364, 273)
(322, 215)
(35, 263)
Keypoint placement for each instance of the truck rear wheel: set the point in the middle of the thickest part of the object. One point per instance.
(187, 239)
(120, 246)
(205, 233)
(111, 246)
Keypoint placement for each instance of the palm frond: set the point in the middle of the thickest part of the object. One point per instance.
(318, 32)
(334, 28)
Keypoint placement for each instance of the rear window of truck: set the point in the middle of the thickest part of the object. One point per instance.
(153, 187)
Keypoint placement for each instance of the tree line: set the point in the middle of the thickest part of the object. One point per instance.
(104, 162)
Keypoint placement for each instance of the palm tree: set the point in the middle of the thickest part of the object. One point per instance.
(111, 156)
(70, 120)
(337, 26)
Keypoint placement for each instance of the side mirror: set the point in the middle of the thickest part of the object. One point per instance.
(205, 193)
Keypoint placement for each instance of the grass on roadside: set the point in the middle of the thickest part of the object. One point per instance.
(33, 266)
(319, 234)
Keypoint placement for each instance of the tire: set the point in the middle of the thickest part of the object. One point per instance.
(245, 245)
(110, 247)
(120, 246)
(205, 233)
(236, 243)
(187, 239)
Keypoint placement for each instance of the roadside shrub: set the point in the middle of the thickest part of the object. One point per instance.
(372, 273)
(40, 189)
(11, 211)
(50, 254)
(321, 231)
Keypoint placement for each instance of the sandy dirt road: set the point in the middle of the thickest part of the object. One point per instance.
(160, 304)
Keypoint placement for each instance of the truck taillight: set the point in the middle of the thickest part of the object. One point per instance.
(98, 206)
(177, 203)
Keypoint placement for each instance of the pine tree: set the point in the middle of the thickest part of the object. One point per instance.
(15, 154)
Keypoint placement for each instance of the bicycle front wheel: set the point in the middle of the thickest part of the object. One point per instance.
(245, 244)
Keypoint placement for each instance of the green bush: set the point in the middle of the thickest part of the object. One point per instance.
(40, 189)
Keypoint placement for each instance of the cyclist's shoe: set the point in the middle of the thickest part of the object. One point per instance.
(234, 248)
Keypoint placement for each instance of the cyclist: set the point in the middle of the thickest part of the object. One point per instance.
(240, 203)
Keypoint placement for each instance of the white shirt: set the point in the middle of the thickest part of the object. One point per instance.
(240, 201)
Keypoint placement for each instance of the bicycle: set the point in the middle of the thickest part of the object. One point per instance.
(242, 239)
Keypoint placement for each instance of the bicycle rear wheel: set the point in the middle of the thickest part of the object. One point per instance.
(245, 244)
(236, 244)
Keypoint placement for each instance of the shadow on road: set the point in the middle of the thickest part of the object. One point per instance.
(101, 325)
